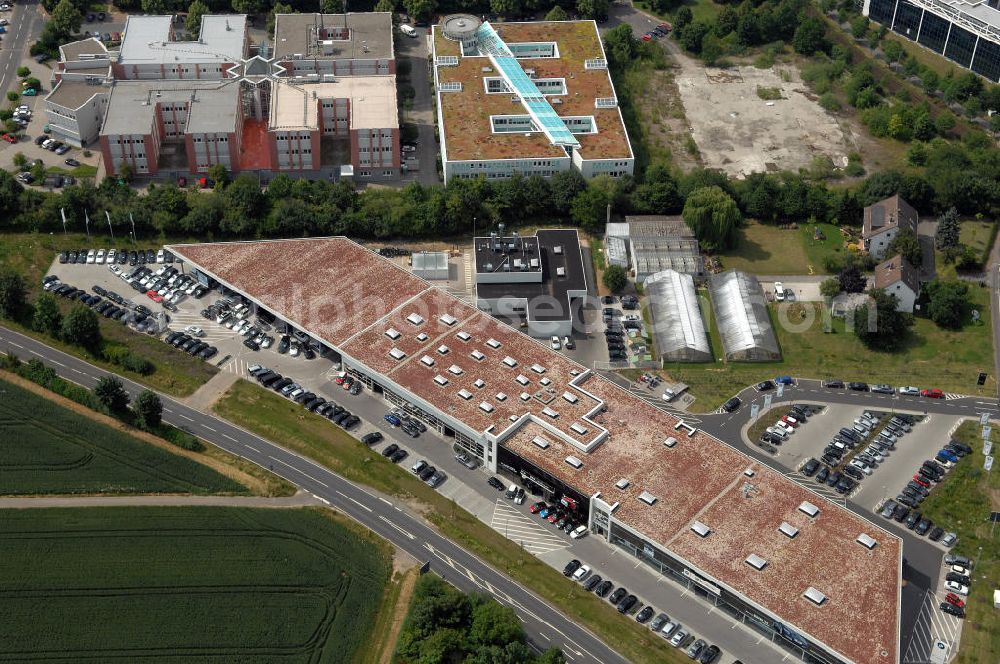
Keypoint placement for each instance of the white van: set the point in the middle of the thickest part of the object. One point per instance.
(578, 532)
(408, 30)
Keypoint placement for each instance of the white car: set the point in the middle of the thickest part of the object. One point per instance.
(556, 344)
(679, 637)
(578, 532)
(109, 258)
(779, 291)
(780, 433)
(294, 350)
(582, 573)
(784, 426)
(115, 269)
(912, 391)
(194, 331)
(159, 256)
(956, 588)
(958, 569)
(91, 256)
(669, 395)
(862, 466)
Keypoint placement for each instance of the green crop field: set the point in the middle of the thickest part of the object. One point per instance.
(194, 584)
(45, 448)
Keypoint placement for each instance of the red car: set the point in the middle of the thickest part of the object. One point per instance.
(348, 381)
(151, 294)
(552, 518)
(537, 507)
(666, 27)
(954, 600)
(919, 479)
(790, 420)
(9, 138)
(934, 393)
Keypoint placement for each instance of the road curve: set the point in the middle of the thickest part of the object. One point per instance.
(546, 626)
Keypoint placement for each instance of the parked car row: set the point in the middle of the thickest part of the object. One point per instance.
(287, 387)
(165, 286)
(786, 425)
(559, 516)
(425, 471)
(959, 570)
(672, 630)
(106, 303)
(235, 316)
(881, 388)
(397, 417)
(116, 256)
(191, 344)
(904, 508)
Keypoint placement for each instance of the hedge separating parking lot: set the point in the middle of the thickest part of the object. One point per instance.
(962, 503)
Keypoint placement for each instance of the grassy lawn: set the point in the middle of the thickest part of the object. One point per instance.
(830, 243)
(48, 449)
(279, 419)
(700, 9)
(975, 234)
(81, 171)
(934, 357)
(175, 373)
(962, 503)
(766, 249)
(214, 584)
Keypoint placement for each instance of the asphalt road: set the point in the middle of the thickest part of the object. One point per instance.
(545, 625)
(24, 29)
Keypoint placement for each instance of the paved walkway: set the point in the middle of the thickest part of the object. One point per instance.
(300, 499)
(206, 395)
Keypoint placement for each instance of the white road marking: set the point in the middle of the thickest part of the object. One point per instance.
(407, 534)
(254, 449)
(230, 438)
(368, 509)
(301, 472)
(209, 428)
(185, 417)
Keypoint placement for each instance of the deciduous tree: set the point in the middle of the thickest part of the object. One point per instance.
(713, 216)
(80, 327)
(949, 303)
(12, 292)
(112, 394)
(907, 244)
(879, 326)
(149, 408)
(196, 10)
(615, 278)
(47, 318)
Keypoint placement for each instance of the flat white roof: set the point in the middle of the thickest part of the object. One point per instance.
(147, 40)
(373, 102)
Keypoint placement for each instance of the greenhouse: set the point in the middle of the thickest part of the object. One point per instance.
(743, 320)
(678, 328)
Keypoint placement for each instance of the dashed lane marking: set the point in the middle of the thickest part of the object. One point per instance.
(516, 526)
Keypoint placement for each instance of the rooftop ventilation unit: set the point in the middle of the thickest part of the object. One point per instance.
(557, 249)
(578, 428)
(622, 484)
(448, 320)
(427, 360)
(510, 361)
(480, 383)
(392, 333)
(522, 379)
(397, 354)
(477, 355)
(647, 498)
(866, 541)
(486, 407)
(501, 396)
(540, 442)
(560, 272)
(756, 561)
(808, 508)
(465, 394)
(422, 337)
(440, 380)
(748, 472)
(443, 349)
(492, 343)
(545, 381)
(701, 529)
(415, 319)
(573, 461)
(525, 396)
(550, 413)
(537, 368)
(670, 442)
(570, 397)
(814, 596)
(788, 529)
(455, 369)
(463, 335)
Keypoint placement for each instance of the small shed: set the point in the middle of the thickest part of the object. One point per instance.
(431, 265)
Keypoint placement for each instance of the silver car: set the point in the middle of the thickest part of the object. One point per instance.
(679, 636)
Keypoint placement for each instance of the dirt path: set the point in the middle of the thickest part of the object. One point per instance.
(300, 499)
(209, 393)
(254, 484)
(399, 614)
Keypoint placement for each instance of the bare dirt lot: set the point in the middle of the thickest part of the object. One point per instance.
(740, 133)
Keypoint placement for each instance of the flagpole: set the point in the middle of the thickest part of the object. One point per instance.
(108, 215)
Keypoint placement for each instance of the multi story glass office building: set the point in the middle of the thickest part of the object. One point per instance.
(964, 31)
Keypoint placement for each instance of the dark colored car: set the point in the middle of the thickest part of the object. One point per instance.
(833, 478)
(604, 588)
(857, 386)
(399, 455)
(822, 475)
(390, 450)
(732, 405)
(371, 438)
(765, 385)
(709, 655)
(854, 472)
(900, 513)
(618, 595)
(496, 484)
(644, 615)
(571, 567)
(953, 610)
(427, 473)
(626, 604)
(922, 527)
(958, 578)
(936, 534)
(810, 467)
